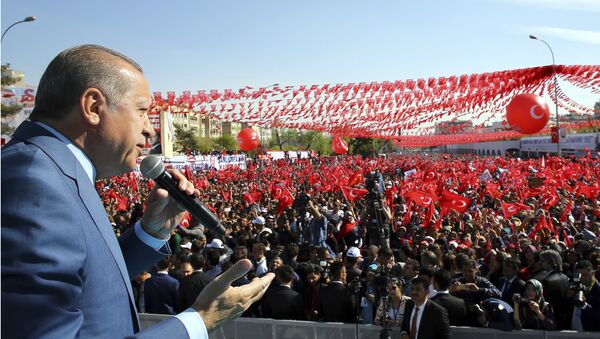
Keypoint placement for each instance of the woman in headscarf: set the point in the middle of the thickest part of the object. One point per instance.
(532, 311)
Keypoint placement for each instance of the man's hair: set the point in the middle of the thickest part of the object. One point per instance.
(415, 264)
(385, 252)
(469, 264)
(292, 250)
(197, 261)
(260, 246)
(73, 71)
(442, 278)
(212, 256)
(553, 258)
(428, 258)
(163, 264)
(584, 265)
(285, 274)
(426, 271)
(512, 262)
(420, 281)
(336, 269)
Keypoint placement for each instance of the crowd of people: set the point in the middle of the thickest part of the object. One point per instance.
(497, 242)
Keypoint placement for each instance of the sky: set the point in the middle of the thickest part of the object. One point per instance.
(192, 44)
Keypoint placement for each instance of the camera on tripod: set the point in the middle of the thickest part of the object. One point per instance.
(301, 201)
(578, 288)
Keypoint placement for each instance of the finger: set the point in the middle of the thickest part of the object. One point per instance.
(223, 282)
(180, 178)
(257, 287)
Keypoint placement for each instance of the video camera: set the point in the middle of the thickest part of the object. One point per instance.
(520, 300)
(301, 201)
(578, 288)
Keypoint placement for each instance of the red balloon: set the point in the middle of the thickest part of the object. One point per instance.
(338, 145)
(248, 139)
(527, 113)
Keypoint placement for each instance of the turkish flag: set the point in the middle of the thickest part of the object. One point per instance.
(356, 178)
(353, 194)
(226, 194)
(455, 201)
(511, 209)
(123, 203)
(566, 211)
(251, 198)
(286, 199)
(422, 199)
(540, 226)
(549, 200)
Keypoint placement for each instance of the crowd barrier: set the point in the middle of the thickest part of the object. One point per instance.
(256, 328)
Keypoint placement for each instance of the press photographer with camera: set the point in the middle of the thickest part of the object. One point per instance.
(532, 311)
(390, 312)
(586, 298)
(375, 216)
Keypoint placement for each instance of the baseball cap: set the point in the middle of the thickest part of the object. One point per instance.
(353, 252)
(259, 220)
(187, 245)
(215, 243)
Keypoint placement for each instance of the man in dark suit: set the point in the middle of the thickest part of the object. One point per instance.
(586, 315)
(161, 290)
(424, 319)
(510, 283)
(556, 286)
(64, 273)
(282, 302)
(336, 301)
(191, 286)
(455, 307)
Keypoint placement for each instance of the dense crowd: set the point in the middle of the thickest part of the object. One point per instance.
(498, 242)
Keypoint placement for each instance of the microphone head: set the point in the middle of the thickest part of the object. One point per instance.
(151, 167)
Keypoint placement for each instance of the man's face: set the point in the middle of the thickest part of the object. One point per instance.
(408, 271)
(256, 253)
(313, 278)
(418, 293)
(239, 253)
(122, 131)
(508, 271)
(343, 274)
(469, 274)
(586, 276)
(187, 269)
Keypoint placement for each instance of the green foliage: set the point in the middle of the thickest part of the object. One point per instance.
(226, 142)
(185, 140)
(8, 110)
(597, 105)
(205, 145)
(317, 141)
(366, 147)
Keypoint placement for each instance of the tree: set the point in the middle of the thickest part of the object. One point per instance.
(8, 110)
(226, 142)
(597, 105)
(186, 140)
(366, 147)
(317, 141)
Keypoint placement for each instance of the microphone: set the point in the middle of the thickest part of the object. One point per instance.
(152, 168)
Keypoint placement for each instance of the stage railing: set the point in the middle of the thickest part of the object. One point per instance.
(257, 328)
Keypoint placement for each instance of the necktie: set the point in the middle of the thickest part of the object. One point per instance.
(505, 286)
(413, 325)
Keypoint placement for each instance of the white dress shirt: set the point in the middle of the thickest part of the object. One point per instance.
(419, 316)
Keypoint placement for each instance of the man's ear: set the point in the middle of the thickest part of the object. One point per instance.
(92, 103)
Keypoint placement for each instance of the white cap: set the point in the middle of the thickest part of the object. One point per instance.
(187, 245)
(216, 243)
(353, 252)
(259, 220)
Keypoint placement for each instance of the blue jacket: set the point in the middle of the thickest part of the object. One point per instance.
(64, 273)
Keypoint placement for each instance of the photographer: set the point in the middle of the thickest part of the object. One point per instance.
(390, 312)
(369, 294)
(533, 312)
(586, 294)
(375, 216)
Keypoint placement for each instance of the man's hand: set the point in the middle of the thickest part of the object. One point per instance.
(219, 302)
(162, 213)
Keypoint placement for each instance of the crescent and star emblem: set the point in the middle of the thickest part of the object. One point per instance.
(511, 208)
(533, 114)
(459, 203)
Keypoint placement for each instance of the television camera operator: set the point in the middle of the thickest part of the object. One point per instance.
(375, 216)
(585, 291)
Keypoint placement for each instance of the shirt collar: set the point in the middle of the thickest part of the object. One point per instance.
(83, 159)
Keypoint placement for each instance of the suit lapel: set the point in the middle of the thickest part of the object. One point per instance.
(71, 167)
(424, 320)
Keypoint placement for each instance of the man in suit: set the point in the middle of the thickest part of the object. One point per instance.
(556, 286)
(336, 301)
(191, 286)
(457, 311)
(90, 122)
(510, 283)
(161, 290)
(586, 315)
(424, 319)
(282, 302)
